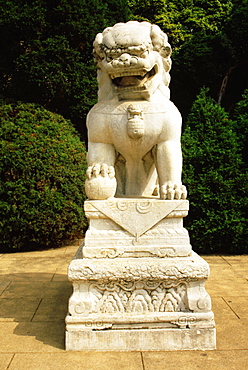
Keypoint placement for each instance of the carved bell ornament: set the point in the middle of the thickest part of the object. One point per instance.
(135, 123)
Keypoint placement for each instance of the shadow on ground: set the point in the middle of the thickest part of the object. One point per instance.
(38, 304)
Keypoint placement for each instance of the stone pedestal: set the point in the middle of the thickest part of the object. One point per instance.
(137, 285)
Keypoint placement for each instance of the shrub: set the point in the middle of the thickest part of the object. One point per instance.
(42, 178)
(215, 175)
(241, 118)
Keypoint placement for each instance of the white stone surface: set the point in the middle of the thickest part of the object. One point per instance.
(134, 130)
(137, 285)
(133, 298)
(121, 290)
(142, 340)
(131, 227)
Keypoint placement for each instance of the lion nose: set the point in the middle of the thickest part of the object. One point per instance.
(125, 59)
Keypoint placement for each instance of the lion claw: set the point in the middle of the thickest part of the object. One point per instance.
(172, 191)
(100, 170)
(100, 181)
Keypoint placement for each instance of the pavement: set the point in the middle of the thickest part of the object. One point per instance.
(34, 293)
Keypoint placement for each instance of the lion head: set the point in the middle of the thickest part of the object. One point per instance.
(133, 61)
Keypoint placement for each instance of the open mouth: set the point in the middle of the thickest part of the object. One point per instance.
(132, 79)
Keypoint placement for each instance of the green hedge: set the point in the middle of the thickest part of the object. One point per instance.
(42, 173)
(216, 177)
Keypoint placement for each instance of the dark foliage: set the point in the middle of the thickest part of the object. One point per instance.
(42, 173)
(46, 52)
(209, 40)
(215, 175)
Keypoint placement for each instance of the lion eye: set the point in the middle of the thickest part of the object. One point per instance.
(144, 54)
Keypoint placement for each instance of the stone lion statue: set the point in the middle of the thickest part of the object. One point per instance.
(134, 130)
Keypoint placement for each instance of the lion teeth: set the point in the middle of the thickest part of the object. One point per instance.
(128, 73)
(130, 88)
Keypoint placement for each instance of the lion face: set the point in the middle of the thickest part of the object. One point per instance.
(135, 56)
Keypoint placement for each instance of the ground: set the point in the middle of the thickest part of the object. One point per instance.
(34, 292)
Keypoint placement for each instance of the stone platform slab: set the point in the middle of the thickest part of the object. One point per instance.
(142, 340)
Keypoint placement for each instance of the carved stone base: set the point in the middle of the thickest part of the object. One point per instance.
(139, 304)
(136, 227)
(141, 340)
(137, 285)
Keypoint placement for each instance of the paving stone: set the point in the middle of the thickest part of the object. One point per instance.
(61, 275)
(215, 260)
(195, 360)
(241, 270)
(222, 309)
(53, 252)
(70, 252)
(227, 287)
(52, 309)
(236, 259)
(19, 309)
(238, 305)
(223, 271)
(36, 286)
(31, 337)
(3, 286)
(29, 265)
(232, 334)
(37, 289)
(5, 359)
(78, 360)
(35, 276)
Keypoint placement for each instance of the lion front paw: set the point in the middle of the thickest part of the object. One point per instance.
(100, 182)
(172, 191)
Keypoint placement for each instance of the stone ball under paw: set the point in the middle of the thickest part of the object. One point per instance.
(100, 188)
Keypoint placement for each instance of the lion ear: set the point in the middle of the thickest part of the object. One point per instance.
(167, 64)
(165, 51)
(97, 47)
(160, 41)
